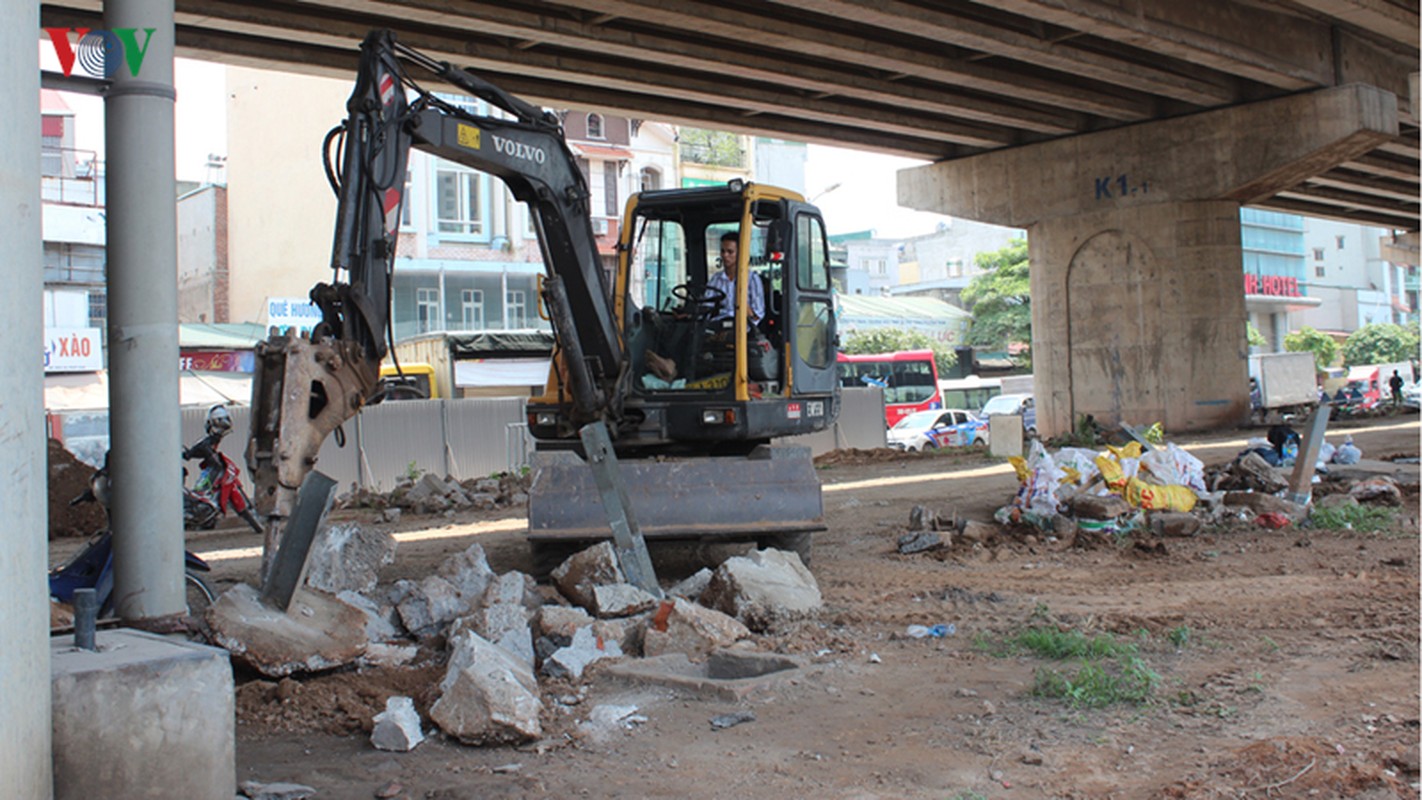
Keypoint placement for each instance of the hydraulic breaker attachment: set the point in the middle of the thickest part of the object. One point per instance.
(301, 392)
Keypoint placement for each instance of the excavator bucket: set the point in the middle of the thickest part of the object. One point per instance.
(301, 392)
(772, 495)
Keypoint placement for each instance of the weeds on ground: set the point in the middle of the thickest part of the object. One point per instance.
(1179, 636)
(1099, 684)
(413, 472)
(1364, 519)
(1110, 672)
(967, 795)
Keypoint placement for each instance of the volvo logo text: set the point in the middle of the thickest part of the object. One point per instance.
(519, 150)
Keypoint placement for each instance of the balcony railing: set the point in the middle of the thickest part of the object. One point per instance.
(71, 176)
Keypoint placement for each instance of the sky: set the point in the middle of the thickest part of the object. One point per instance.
(855, 190)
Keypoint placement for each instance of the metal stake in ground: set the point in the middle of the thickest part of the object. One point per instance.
(627, 538)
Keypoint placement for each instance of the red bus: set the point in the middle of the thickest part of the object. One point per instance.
(909, 380)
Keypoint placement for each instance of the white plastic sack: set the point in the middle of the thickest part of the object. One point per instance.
(1038, 493)
(1081, 460)
(1171, 466)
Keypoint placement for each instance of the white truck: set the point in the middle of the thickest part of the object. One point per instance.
(1282, 386)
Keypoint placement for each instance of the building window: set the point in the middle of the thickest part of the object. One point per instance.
(1340, 242)
(878, 266)
(609, 188)
(1318, 254)
(98, 310)
(472, 305)
(1319, 271)
(459, 201)
(514, 310)
(426, 309)
(595, 127)
(651, 179)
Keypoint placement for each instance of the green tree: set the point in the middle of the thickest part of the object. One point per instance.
(1380, 343)
(1000, 298)
(715, 148)
(1255, 338)
(1308, 340)
(890, 340)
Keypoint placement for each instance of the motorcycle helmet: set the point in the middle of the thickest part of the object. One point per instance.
(219, 422)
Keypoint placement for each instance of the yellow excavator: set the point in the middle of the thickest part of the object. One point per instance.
(693, 396)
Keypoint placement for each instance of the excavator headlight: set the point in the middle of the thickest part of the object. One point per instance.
(718, 416)
(545, 419)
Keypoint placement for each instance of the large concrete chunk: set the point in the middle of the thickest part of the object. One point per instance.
(468, 572)
(764, 588)
(144, 716)
(317, 632)
(504, 624)
(680, 626)
(621, 600)
(586, 648)
(431, 604)
(397, 728)
(562, 621)
(583, 571)
(515, 588)
(487, 695)
(348, 558)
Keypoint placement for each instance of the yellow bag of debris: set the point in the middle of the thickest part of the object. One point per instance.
(1159, 498)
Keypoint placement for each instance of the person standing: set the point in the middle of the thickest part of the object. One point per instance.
(1395, 383)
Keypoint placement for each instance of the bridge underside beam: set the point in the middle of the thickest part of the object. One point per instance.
(1134, 242)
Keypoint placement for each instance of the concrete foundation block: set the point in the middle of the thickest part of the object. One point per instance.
(144, 717)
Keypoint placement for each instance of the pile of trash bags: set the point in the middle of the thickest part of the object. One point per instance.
(1162, 479)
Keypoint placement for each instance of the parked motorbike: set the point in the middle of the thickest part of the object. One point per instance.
(217, 488)
(93, 566)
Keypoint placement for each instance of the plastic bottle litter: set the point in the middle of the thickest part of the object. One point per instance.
(931, 632)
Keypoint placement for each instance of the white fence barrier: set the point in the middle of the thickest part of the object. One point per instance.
(466, 438)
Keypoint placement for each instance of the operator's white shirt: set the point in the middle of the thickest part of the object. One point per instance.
(727, 307)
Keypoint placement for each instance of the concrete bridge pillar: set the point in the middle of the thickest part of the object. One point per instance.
(1134, 245)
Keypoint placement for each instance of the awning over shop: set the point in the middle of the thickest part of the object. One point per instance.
(90, 390)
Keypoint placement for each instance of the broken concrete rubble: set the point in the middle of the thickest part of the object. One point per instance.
(397, 728)
(256, 790)
(1174, 524)
(379, 622)
(1091, 506)
(504, 624)
(680, 626)
(920, 541)
(487, 696)
(692, 586)
(317, 632)
(621, 600)
(977, 532)
(585, 648)
(562, 621)
(468, 571)
(1381, 490)
(348, 558)
(763, 589)
(430, 604)
(586, 569)
(1261, 503)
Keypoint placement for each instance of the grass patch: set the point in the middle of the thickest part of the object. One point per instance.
(1362, 518)
(1179, 636)
(1098, 684)
(1048, 642)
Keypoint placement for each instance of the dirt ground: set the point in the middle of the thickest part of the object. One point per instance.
(1287, 663)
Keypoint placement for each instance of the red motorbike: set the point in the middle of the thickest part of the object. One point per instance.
(217, 490)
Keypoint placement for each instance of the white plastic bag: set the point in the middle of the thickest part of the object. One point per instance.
(1171, 466)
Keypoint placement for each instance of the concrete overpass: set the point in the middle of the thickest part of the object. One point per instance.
(935, 81)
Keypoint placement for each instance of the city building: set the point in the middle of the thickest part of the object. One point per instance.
(941, 264)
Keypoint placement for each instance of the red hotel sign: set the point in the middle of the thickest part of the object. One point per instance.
(1273, 285)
